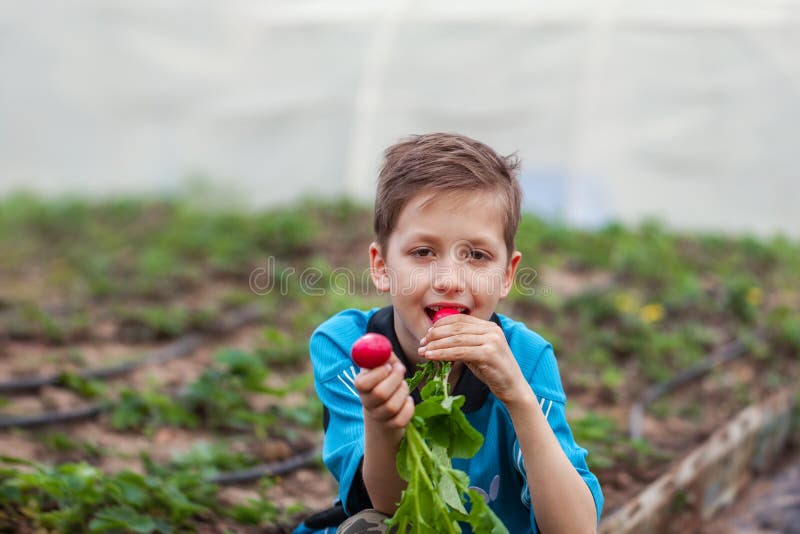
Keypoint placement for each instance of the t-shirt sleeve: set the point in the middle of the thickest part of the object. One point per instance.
(552, 403)
(334, 374)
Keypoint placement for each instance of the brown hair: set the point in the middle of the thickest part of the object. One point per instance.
(444, 163)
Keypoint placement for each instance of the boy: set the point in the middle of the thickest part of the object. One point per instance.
(446, 212)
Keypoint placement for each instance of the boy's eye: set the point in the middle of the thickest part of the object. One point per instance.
(478, 255)
(422, 252)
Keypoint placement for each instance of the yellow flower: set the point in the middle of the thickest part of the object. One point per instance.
(625, 303)
(651, 313)
(754, 296)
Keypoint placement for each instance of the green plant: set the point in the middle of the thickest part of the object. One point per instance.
(648, 257)
(76, 497)
(282, 349)
(784, 328)
(607, 444)
(209, 459)
(220, 395)
(307, 414)
(29, 320)
(434, 498)
(148, 409)
(65, 444)
(260, 511)
(218, 398)
(160, 322)
(84, 387)
(742, 297)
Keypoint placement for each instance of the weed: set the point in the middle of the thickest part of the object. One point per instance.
(261, 511)
(76, 497)
(209, 459)
(160, 322)
(28, 320)
(220, 395)
(784, 328)
(281, 349)
(64, 444)
(148, 410)
(84, 387)
(608, 445)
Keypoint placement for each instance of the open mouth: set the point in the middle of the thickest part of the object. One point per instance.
(431, 310)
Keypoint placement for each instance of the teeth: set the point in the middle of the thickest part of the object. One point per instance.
(437, 308)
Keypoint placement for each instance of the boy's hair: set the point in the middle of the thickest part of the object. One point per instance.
(444, 163)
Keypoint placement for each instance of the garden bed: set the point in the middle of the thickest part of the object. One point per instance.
(94, 286)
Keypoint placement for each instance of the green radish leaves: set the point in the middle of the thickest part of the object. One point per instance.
(437, 495)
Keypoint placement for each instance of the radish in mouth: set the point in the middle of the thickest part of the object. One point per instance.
(444, 312)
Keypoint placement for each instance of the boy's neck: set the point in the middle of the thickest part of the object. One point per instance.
(455, 374)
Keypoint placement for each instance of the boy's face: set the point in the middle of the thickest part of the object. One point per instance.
(448, 252)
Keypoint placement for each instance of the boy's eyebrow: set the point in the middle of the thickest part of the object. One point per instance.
(481, 241)
(422, 236)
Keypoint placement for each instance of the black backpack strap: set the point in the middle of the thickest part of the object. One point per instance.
(332, 517)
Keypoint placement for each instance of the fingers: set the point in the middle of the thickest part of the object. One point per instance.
(387, 390)
(465, 354)
(457, 324)
(385, 394)
(458, 340)
(404, 415)
(367, 379)
(393, 408)
(459, 332)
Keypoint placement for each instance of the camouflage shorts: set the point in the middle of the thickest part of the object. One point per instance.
(365, 522)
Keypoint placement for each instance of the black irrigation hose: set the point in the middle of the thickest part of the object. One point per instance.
(179, 348)
(281, 467)
(50, 418)
(724, 354)
(241, 476)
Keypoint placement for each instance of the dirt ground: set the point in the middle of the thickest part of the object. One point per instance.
(770, 504)
(678, 422)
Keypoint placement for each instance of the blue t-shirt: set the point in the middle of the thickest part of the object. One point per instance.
(497, 470)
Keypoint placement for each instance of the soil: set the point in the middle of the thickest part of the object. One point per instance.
(769, 504)
(313, 487)
(672, 426)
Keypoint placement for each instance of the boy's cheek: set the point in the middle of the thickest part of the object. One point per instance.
(493, 280)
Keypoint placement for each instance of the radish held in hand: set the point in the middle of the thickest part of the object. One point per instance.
(371, 350)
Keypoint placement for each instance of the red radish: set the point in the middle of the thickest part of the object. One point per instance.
(371, 350)
(444, 312)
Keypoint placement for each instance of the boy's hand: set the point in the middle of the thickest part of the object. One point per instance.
(385, 395)
(482, 346)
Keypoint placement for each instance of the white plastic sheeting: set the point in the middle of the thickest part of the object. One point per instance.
(689, 111)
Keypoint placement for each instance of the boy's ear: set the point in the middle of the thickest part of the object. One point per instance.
(511, 270)
(377, 268)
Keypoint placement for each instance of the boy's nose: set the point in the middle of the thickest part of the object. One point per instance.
(448, 278)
